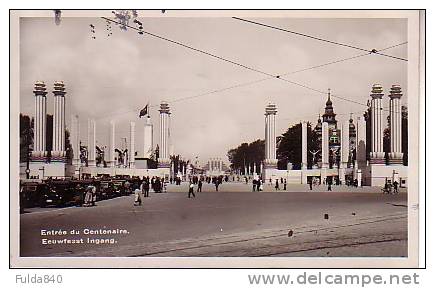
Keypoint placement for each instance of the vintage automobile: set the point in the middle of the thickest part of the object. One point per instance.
(119, 188)
(61, 193)
(106, 190)
(30, 194)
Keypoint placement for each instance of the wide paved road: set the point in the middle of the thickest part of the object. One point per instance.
(360, 223)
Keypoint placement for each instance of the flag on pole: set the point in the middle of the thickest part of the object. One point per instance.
(144, 111)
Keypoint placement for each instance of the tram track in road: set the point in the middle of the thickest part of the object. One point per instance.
(268, 242)
(277, 234)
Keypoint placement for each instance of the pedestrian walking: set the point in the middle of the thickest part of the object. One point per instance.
(254, 184)
(190, 190)
(142, 188)
(137, 197)
(199, 186)
(260, 188)
(147, 187)
(277, 185)
(396, 187)
(259, 184)
(88, 197)
(93, 195)
(329, 184)
(285, 184)
(217, 185)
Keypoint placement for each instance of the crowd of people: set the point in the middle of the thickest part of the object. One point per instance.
(142, 188)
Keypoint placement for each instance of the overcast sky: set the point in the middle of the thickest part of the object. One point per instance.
(114, 77)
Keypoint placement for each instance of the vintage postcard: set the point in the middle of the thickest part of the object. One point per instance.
(211, 139)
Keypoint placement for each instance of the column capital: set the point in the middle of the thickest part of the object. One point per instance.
(271, 109)
(395, 92)
(40, 89)
(59, 89)
(164, 108)
(377, 91)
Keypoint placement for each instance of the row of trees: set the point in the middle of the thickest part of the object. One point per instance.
(245, 154)
(289, 149)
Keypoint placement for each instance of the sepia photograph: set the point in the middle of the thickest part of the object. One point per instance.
(228, 138)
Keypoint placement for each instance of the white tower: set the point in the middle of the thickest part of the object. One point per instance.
(148, 138)
(270, 137)
(304, 145)
(75, 140)
(39, 149)
(396, 155)
(344, 150)
(377, 153)
(91, 142)
(164, 161)
(131, 156)
(111, 162)
(58, 153)
(344, 143)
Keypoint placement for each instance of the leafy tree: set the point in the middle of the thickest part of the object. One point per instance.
(26, 137)
(246, 154)
(290, 147)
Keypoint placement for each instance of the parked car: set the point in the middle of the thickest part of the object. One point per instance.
(61, 193)
(30, 194)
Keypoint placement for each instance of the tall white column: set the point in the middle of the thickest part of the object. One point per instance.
(304, 145)
(396, 155)
(111, 161)
(270, 136)
(325, 145)
(91, 142)
(131, 155)
(39, 147)
(148, 138)
(344, 150)
(344, 143)
(377, 152)
(325, 152)
(58, 152)
(164, 160)
(75, 140)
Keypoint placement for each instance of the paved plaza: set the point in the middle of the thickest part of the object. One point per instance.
(359, 222)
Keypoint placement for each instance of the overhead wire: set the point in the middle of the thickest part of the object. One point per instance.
(271, 76)
(373, 51)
